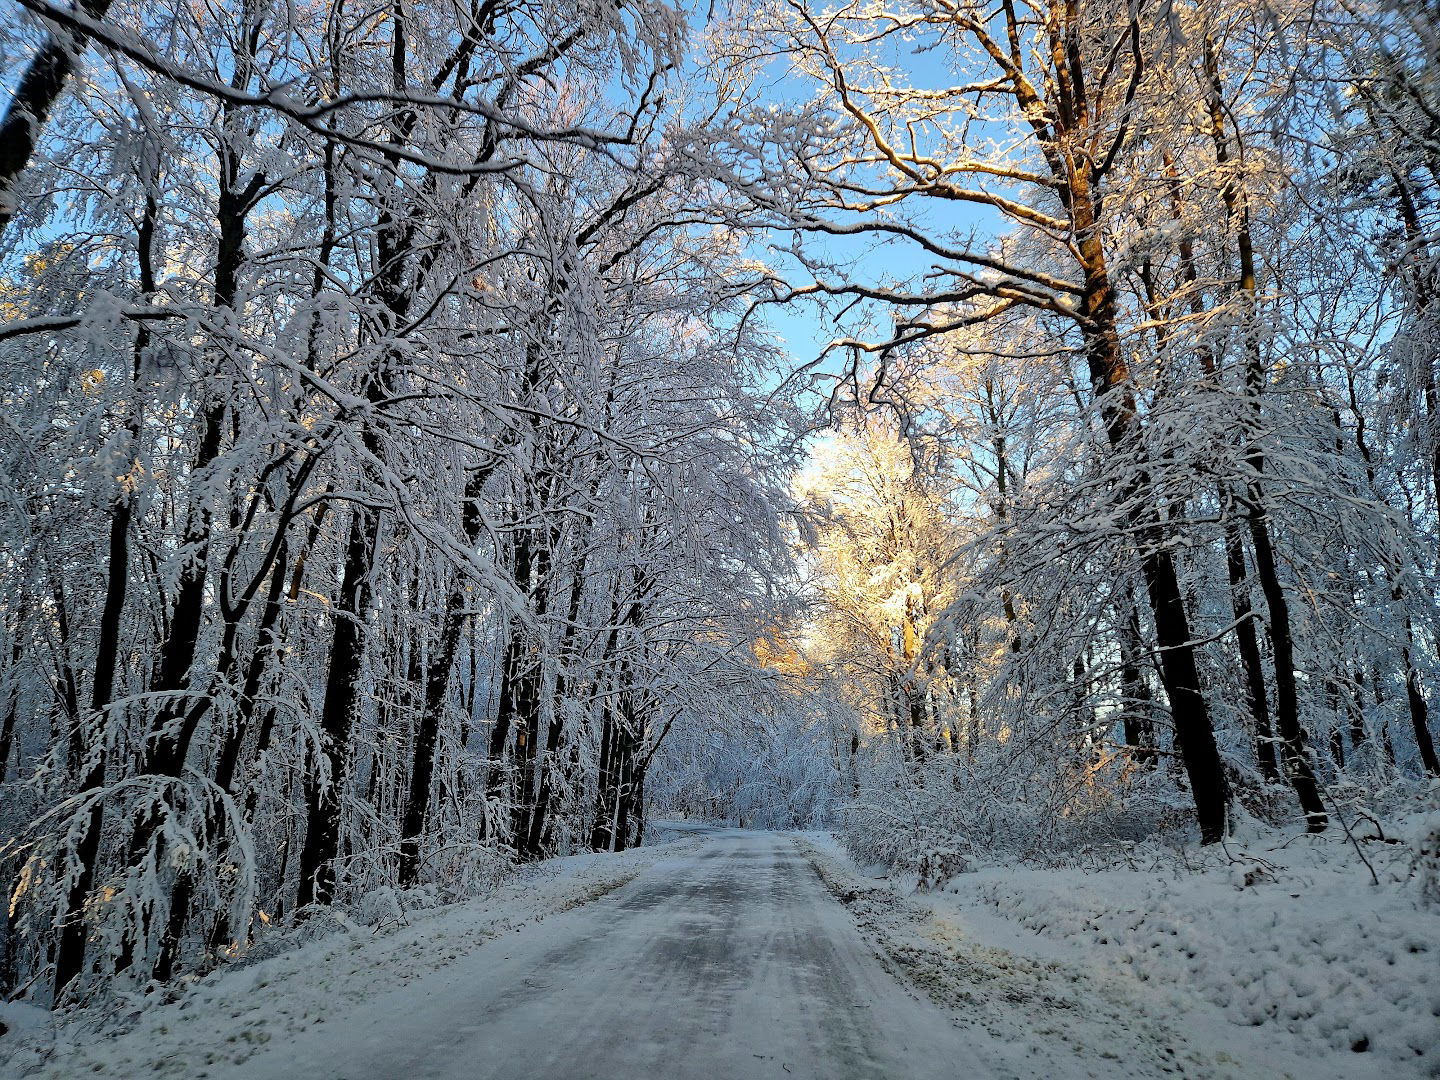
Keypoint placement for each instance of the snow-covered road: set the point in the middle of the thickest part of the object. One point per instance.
(736, 954)
(731, 962)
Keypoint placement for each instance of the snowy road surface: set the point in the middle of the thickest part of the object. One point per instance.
(731, 962)
(729, 954)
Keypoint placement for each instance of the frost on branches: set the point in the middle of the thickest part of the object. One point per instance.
(405, 475)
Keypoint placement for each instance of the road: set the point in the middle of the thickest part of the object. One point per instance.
(729, 962)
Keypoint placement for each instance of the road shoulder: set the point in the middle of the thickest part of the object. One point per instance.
(1034, 1009)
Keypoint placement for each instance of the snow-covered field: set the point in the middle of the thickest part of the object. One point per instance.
(1276, 957)
(241, 1008)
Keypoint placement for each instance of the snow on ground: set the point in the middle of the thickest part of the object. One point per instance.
(235, 1011)
(1278, 957)
(1274, 958)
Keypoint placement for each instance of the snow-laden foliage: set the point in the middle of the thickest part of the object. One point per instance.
(385, 472)
(776, 764)
(1133, 497)
(399, 479)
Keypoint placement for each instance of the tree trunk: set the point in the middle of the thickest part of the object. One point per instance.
(227, 765)
(534, 841)
(12, 695)
(1419, 709)
(323, 793)
(1179, 672)
(1138, 723)
(427, 732)
(601, 831)
(1293, 750)
(74, 932)
(1256, 698)
(394, 246)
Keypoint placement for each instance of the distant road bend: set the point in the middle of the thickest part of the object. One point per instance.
(730, 963)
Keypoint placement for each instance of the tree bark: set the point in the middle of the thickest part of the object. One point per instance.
(1179, 673)
(1138, 723)
(322, 793)
(1419, 709)
(1256, 699)
(1293, 749)
(437, 681)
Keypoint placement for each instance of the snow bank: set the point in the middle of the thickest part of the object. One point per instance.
(1285, 948)
(1297, 939)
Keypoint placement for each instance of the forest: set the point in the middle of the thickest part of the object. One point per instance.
(444, 435)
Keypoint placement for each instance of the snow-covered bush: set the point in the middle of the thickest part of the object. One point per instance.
(1426, 855)
(954, 812)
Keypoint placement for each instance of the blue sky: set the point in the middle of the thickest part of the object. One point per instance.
(803, 327)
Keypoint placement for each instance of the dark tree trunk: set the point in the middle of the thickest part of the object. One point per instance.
(1179, 671)
(1256, 697)
(74, 930)
(394, 251)
(274, 565)
(7, 738)
(227, 765)
(915, 714)
(323, 794)
(437, 682)
(619, 738)
(539, 818)
(526, 723)
(618, 804)
(620, 828)
(1419, 709)
(174, 726)
(12, 696)
(534, 841)
(1193, 732)
(1354, 710)
(600, 832)
(67, 686)
(505, 709)
(170, 734)
(427, 733)
(1293, 749)
(519, 704)
(1137, 718)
